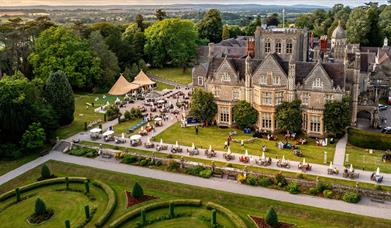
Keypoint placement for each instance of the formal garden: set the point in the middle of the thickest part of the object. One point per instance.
(192, 205)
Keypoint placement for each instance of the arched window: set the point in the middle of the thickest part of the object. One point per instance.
(289, 46)
(267, 45)
(278, 46)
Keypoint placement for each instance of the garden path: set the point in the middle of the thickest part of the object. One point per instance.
(340, 149)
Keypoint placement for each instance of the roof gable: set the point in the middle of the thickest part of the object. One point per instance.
(269, 64)
(226, 73)
(318, 73)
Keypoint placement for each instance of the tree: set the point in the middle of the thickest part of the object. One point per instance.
(273, 20)
(160, 14)
(375, 35)
(289, 116)
(108, 61)
(135, 40)
(337, 116)
(40, 207)
(203, 105)
(244, 114)
(34, 137)
(171, 41)
(140, 21)
(226, 34)
(137, 191)
(45, 172)
(385, 21)
(211, 26)
(235, 31)
(358, 26)
(59, 48)
(271, 218)
(59, 94)
(250, 29)
(113, 112)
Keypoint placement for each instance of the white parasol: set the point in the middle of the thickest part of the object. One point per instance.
(229, 150)
(378, 171)
(107, 133)
(117, 100)
(192, 146)
(303, 161)
(148, 141)
(161, 142)
(263, 156)
(246, 153)
(142, 128)
(107, 103)
(210, 147)
(283, 158)
(148, 124)
(123, 135)
(331, 165)
(135, 137)
(158, 119)
(160, 101)
(176, 144)
(351, 168)
(95, 130)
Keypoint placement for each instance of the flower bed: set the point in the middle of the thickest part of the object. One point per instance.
(260, 223)
(133, 201)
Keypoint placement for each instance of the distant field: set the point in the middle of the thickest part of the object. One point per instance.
(173, 74)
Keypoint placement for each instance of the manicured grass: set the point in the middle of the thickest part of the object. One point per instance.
(66, 205)
(217, 136)
(84, 113)
(302, 216)
(173, 74)
(123, 127)
(362, 159)
(162, 86)
(6, 166)
(254, 168)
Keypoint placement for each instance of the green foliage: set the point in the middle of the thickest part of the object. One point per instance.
(87, 186)
(313, 191)
(45, 172)
(203, 105)
(108, 61)
(211, 26)
(385, 21)
(171, 41)
(320, 187)
(280, 180)
(235, 31)
(171, 213)
(199, 171)
(251, 180)
(370, 140)
(327, 193)
(358, 26)
(293, 188)
(137, 191)
(160, 14)
(143, 217)
(337, 116)
(273, 20)
(113, 112)
(82, 151)
(66, 183)
(59, 94)
(289, 116)
(265, 181)
(244, 114)
(207, 173)
(250, 29)
(17, 193)
(129, 159)
(173, 165)
(40, 207)
(213, 221)
(225, 34)
(34, 137)
(351, 197)
(87, 211)
(59, 48)
(67, 224)
(271, 218)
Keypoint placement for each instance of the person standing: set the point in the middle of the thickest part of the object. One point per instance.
(196, 130)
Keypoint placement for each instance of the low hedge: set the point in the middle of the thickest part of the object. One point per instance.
(370, 140)
(234, 217)
(157, 205)
(42, 183)
(111, 204)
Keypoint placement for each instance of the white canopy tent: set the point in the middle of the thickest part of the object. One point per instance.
(135, 137)
(95, 130)
(107, 133)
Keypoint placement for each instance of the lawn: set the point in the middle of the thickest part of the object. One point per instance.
(6, 166)
(124, 126)
(217, 136)
(84, 113)
(302, 216)
(66, 205)
(362, 159)
(160, 86)
(173, 74)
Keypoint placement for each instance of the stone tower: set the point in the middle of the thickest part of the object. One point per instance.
(338, 42)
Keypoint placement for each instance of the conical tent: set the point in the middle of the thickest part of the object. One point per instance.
(122, 87)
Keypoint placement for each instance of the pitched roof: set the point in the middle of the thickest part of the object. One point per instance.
(142, 79)
(122, 87)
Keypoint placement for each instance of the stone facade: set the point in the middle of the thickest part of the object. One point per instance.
(279, 70)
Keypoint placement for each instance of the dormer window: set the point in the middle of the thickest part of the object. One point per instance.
(263, 80)
(226, 77)
(276, 80)
(317, 83)
(200, 81)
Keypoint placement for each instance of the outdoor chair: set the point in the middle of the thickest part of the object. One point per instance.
(229, 157)
(244, 159)
(298, 153)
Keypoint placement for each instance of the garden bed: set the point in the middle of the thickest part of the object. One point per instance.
(260, 222)
(131, 201)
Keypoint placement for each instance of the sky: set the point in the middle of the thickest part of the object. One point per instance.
(152, 2)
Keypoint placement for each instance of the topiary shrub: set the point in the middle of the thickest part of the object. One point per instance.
(351, 197)
(265, 181)
(251, 180)
(293, 188)
(171, 212)
(327, 193)
(195, 170)
(45, 172)
(129, 159)
(213, 220)
(143, 217)
(87, 211)
(67, 224)
(17, 193)
(280, 180)
(87, 185)
(271, 218)
(41, 213)
(137, 191)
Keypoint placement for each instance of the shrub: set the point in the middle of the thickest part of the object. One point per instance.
(370, 140)
(158, 163)
(271, 218)
(207, 173)
(143, 162)
(213, 221)
(320, 187)
(137, 191)
(195, 170)
(173, 166)
(87, 185)
(113, 112)
(241, 178)
(17, 192)
(229, 165)
(293, 188)
(129, 159)
(128, 116)
(280, 180)
(45, 172)
(40, 207)
(265, 181)
(327, 193)
(300, 176)
(251, 179)
(313, 191)
(351, 197)
(171, 213)
(81, 151)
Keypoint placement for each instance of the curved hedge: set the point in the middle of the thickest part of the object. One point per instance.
(234, 217)
(370, 140)
(111, 204)
(153, 206)
(42, 183)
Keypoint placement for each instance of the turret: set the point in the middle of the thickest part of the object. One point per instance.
(258, 43)
(248, 72)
